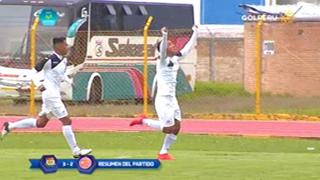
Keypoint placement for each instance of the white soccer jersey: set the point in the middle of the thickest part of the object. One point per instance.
(167, 67)
(54, 69)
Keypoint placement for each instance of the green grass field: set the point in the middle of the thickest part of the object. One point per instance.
(197, 156)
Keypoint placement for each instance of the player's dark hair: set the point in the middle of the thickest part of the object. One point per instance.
(58, 40)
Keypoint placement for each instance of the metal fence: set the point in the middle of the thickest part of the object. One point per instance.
(107, 73)
(288, 76)
(225, 76)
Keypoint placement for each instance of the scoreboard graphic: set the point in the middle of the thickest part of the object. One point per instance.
(88, 164)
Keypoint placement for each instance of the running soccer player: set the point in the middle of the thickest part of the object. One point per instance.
(166, 104)
(54, 69)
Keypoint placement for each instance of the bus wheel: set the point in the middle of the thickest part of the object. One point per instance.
(95, 91)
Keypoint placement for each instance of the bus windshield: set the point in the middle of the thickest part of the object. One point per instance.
(46, 34)
(14, 23)
(15, 33)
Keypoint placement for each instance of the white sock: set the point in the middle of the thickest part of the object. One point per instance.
(168, 140)
(69, 135)
(24, 123)
(152, 123)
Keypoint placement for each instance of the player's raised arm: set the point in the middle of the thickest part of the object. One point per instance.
(163, 44)
(188, 47)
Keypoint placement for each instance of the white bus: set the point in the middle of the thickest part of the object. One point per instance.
(106, 66)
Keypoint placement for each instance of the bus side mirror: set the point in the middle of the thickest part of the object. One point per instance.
(84, 12)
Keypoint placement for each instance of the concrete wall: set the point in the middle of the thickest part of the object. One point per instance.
(220, 59)
(294, 67)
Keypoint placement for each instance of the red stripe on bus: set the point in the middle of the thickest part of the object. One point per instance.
(9, 75)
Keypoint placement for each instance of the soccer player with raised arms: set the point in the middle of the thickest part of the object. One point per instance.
(54, 72)
(166, 104)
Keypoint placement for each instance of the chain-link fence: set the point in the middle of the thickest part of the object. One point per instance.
(107, 73)
(228, 71)
(15, 71)
(111, 79)
(220, 64)
(217, 79)
(289, 65)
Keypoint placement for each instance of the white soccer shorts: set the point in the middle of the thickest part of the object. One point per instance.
(168, 110)
(53, 107)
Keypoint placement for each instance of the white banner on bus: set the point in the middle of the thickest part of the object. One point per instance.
(122, 48)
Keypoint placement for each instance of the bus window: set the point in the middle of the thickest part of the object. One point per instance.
(132, 16)
(127, 10)
(97, 17)
(172, 16)
(136, 20)
(142, 10)
(104, 17)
